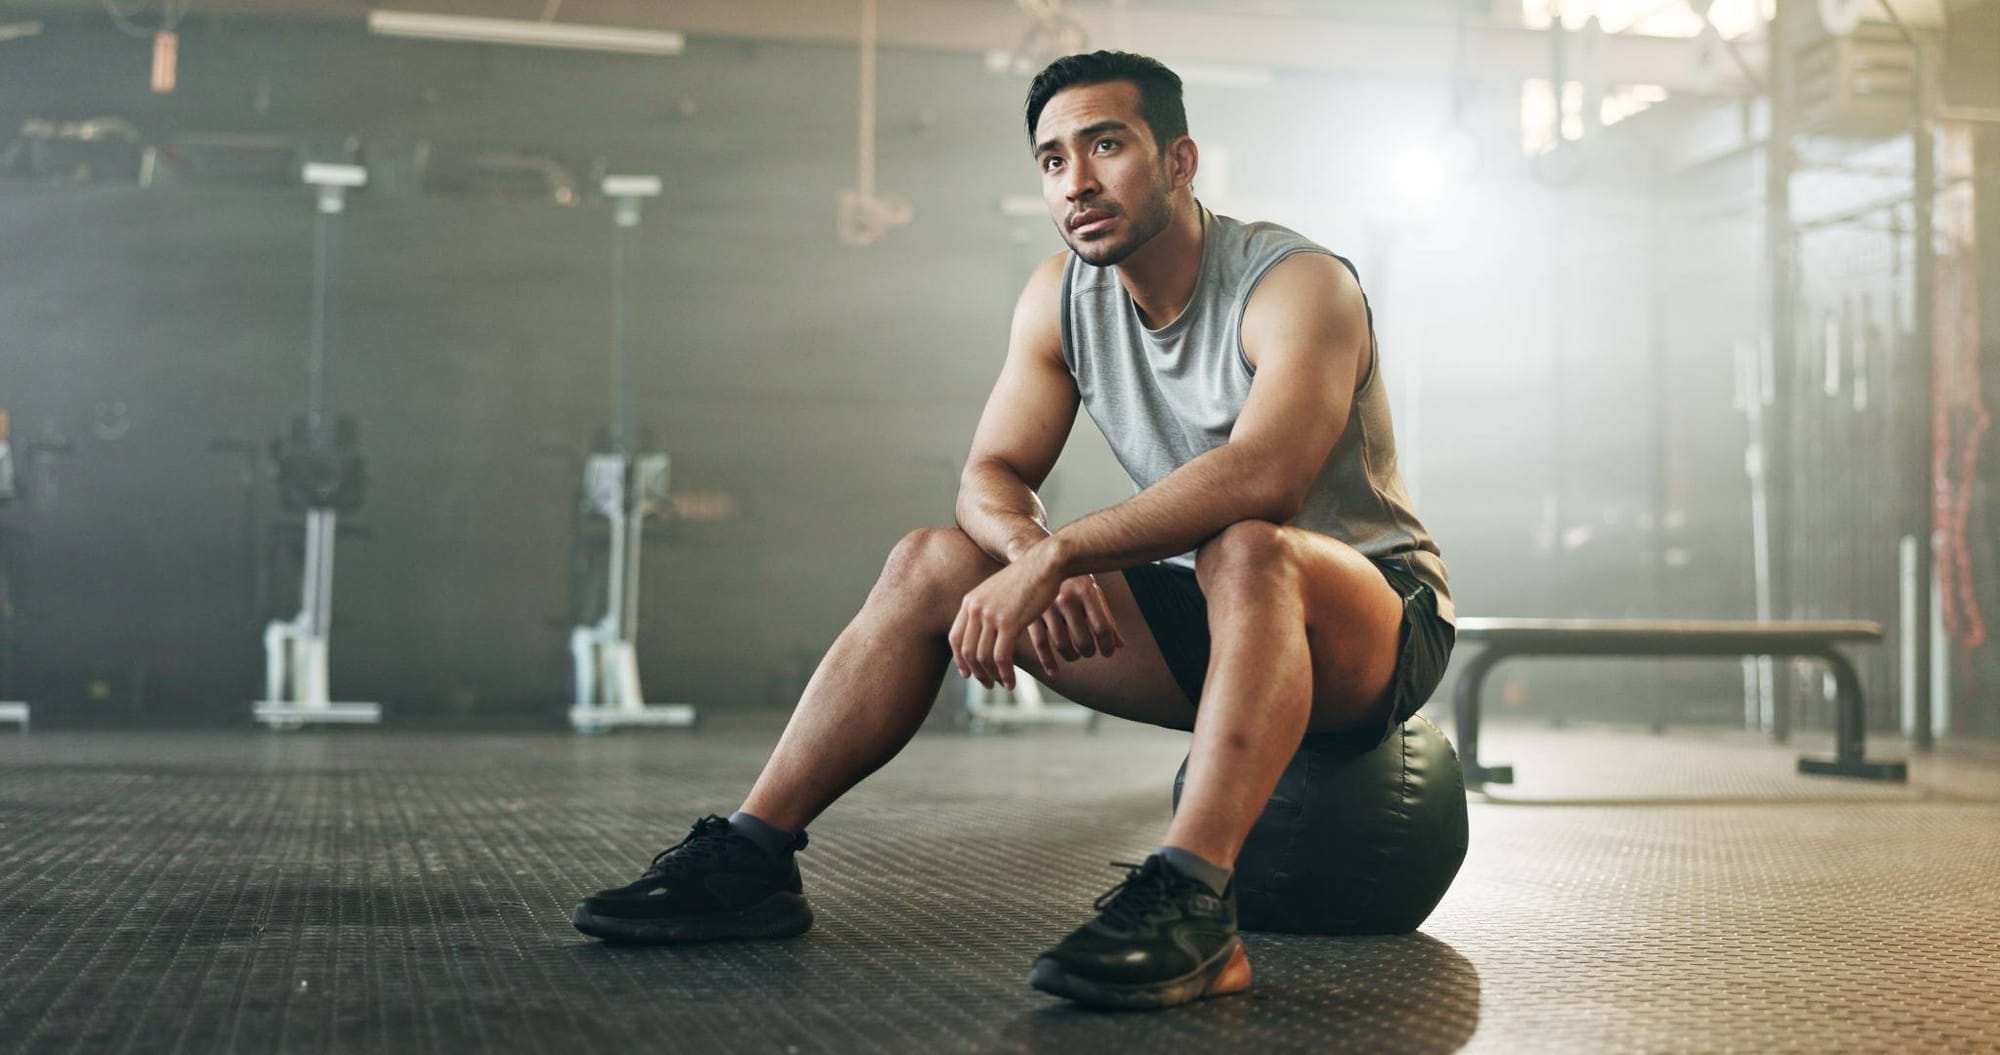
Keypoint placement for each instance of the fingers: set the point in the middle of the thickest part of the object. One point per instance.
(983, 655)
(969, 649)
(1067, 622)
(1003, 656)
(956, 639)
(968, 639)
(1041, 638)
(1079, 624)
(1075, 623)
(1102, 626)
(979, 649)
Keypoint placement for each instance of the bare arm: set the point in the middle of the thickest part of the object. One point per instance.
(1306, 331)
(1023, 428)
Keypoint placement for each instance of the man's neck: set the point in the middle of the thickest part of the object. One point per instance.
(1161, 276)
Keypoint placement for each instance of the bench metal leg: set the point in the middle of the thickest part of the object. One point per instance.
(1465, 719)
(1781, 680)
(1851, 735)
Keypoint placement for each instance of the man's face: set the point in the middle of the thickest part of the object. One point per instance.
(1103, 177)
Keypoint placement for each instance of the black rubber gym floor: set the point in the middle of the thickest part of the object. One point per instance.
(399, 892)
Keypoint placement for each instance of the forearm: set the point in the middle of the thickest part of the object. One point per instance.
(999, 511)
(1186, 508)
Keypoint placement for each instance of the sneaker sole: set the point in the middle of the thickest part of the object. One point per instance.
(778, 916)
(1225, 973)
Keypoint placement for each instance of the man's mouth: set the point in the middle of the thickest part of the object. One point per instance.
(1090, 221)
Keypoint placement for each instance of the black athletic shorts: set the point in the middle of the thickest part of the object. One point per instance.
(1177, 613)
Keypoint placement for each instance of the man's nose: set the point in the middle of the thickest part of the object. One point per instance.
(1079, 182)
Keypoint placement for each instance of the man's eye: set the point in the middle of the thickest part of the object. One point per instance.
(1050, 163)
(1103, 144)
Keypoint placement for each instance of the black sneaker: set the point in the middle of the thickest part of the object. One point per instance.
(1161, 939)
(713, 884)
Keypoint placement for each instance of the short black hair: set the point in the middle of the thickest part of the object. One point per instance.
(1159, 88)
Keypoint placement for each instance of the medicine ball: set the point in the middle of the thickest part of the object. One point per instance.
(1357, 838)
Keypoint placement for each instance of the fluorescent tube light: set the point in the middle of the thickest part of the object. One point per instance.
(528, 34)
(1208, 74)
(1198, 73)
(1024, 207)
(631, 186)
(327, 174)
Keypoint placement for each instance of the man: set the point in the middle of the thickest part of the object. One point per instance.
(1269, 568)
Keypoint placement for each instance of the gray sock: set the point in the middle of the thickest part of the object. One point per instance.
(1195, 866)
(769, 838)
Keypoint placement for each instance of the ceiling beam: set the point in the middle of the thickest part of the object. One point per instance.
(1318, 44)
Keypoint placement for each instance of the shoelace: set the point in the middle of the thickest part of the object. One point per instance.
(702, 845)
(1145, 889)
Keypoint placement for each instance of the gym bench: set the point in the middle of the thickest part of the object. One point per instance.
(1509, 638)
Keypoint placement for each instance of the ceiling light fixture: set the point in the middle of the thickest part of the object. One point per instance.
(471, 30)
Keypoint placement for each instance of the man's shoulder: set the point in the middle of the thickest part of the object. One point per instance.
(1256, 239)
(1255, 249)
(1041, 297)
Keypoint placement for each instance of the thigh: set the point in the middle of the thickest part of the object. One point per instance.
(1133, 683)
(1354, 629)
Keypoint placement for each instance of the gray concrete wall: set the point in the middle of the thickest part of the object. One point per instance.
(833, 389)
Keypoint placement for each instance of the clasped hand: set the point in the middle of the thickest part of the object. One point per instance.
(1065, 619)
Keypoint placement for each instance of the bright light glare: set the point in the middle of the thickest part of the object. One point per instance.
(1539, 133)
(1420, 175)
(1732, 18)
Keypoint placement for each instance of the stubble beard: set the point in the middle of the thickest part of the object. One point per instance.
(1141, 226)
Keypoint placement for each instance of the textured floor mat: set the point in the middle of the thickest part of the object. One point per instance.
(379, 891)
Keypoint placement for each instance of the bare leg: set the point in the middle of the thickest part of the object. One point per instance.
(1254, 707)
(1303, 635)
(871, 692)
(875, 685)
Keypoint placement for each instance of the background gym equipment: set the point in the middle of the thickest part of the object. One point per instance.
(27, 480)
(625, 488)
(1024, 704)
(10, 710)
(316, 474)
(1355, 839)
(1504, 638)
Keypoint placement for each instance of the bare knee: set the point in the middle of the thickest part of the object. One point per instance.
(934, 567)
(1249, 554)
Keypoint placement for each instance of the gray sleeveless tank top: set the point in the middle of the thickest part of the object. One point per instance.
(1162, 397)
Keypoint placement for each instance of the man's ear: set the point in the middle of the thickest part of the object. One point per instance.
(1183, 158)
